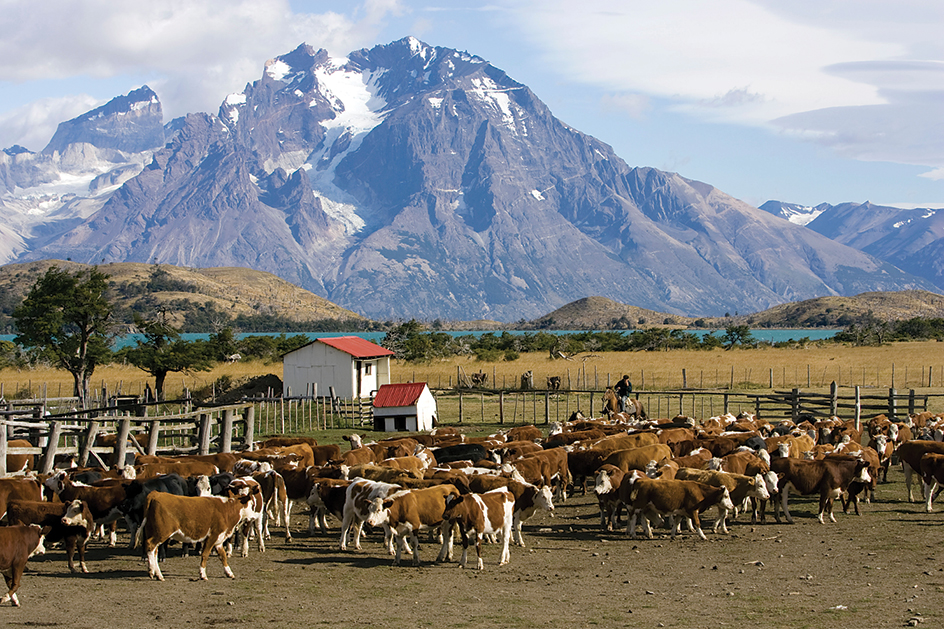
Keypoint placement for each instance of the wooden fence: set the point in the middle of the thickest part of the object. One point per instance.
(192, 432)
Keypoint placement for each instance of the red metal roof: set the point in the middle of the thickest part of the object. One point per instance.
(405, 394)
(356, 346)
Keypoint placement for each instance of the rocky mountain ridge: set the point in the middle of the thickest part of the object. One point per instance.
(410, 180)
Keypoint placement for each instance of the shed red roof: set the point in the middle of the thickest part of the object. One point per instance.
(405, 394)
(356, 346)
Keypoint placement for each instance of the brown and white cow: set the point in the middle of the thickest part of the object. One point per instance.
(103, 500)
(529, 499)
(17, 545)
(18, 488)
(482, 514)
(71, 523)
(359, 497)
(830, 477)
(408, 512)
(208, 519)
(254, 514)
(606, 487)
(639, 458)
(687, 498)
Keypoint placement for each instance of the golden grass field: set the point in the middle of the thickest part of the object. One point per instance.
(911, 365)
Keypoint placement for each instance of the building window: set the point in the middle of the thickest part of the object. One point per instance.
(368, 368)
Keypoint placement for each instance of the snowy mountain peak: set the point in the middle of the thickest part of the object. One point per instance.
(796, 214)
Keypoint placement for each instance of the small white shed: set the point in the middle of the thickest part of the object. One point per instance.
(355, 367)
(409, 406)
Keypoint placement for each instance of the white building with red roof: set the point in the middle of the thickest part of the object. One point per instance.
(355, 367)
(409, 406)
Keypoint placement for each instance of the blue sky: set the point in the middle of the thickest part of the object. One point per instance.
(800, 101)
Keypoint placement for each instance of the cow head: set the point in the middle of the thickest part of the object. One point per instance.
(378, 511)
(78, 514)
(759, 488)
(544, 499)
(603, 483)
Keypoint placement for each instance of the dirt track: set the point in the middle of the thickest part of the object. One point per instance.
(878, 570)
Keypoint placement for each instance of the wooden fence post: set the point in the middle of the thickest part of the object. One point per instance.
(460, 405)
(858, 407)
(249, 415)
(501, 407)
(49, 457)
(547, 407)
(795, 405)
(203, 436)
(154, 433)
(121, 441)
(892, 403)
(3, 450)
(725, 412)
(684, 381)
(87, 444)
(226, 432)
(833, 399)
(911, 402)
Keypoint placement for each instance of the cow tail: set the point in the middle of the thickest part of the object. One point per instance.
(139, 533)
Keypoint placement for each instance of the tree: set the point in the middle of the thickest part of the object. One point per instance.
(68, 317)
(735, 335)
(163, 351)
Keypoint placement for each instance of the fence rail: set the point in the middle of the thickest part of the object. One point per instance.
(179, 433)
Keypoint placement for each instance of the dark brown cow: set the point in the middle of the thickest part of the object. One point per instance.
(281, 442)
(17, 545)
(482, 514)
(910, 453)
(669, 498)
(70, 522)
(606, 487)
(211, 520)
(830, 477)
(224, 461)
(524, 433)
(932, 472)
(184, 469)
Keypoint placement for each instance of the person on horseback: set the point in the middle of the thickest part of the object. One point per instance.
(623, 390)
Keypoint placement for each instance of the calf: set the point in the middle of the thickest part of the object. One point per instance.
(71, 523)
(829, 476)
(529, 499)
(208, 519)
(254, 514)
(408, 512)
(669, 497)
(18, 488)
(483, 514)
(17, 545)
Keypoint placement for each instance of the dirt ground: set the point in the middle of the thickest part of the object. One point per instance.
(882, 569)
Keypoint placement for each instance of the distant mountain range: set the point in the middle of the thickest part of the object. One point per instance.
(910, 239)
(410, 181)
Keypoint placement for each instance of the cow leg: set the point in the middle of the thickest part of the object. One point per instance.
(721, 520)
(516, 529)
(478, 550)
(784, 499)
(631, 525)
(399, 542)
(221, 551)
(465, 545)
(13, 583)
(154, 570)
(445, 553)
(81, 546)
(697, 521)
(416, 547)
(908, 474)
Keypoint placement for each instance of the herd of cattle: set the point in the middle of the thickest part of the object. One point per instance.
(660, 472)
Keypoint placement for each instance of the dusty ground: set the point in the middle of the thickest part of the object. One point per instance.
(878, 570)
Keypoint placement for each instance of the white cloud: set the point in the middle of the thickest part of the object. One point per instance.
(32, 125)
(865, 78)
(936, 175)
(192, 52)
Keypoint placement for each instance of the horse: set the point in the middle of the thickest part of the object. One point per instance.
(611, 406)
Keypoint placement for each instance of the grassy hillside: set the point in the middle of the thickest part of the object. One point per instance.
(833, 312)
(220, 293)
